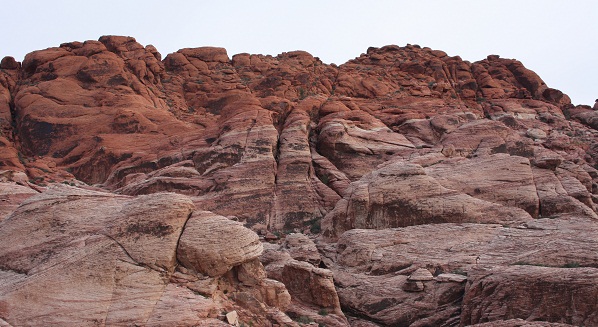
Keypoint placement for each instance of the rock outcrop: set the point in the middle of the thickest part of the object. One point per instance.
(540, 295)
(95, 258)
(401, 194)
(404, 187)
(112, 253)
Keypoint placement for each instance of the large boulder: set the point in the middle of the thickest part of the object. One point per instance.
(212, 244)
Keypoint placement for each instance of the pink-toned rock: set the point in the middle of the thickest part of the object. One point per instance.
(371, 268)
(520, 323)
(296, 275)
(398, 136)
(400, 194)
(11, 196)
(420, 275)
(295, 176)
(312, 289)
(540, 292)
(554, 198)
(393, 300)
(118, 254)
(181, 307)
(456, 247)
(450, 278)
(109, 253)
(480, 137)
(212, 244)
(499, 178)
(356, 142)
(302, 248)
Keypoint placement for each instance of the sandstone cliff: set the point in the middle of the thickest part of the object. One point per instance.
(435, 191)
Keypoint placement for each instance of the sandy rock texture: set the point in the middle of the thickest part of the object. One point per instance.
(374, 270)
(95, 258)
(405, 187)
(112, 253)
(540, 296)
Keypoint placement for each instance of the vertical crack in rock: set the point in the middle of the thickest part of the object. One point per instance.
(179, 238)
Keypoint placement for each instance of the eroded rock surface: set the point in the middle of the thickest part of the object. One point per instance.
(117, 255)
(402, 194)
(540, 295)
(109, 252)
(212, 244)
(396, 185)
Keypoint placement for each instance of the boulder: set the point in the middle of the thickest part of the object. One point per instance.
(302, 248)
(212, 244)
(420, 275)
(498, 178)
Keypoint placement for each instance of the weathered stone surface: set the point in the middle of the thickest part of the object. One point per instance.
(554, 198)
(413, 286)
(391, 300)
(110, 253)
(450, 278)
(356, 142)
(367, 262)
(420, 275)
(498, 178)
(117, 256)
(11, 196)
(212, 244)
(402, 194)
(312, 289)
(536, 133)
(302, 248)
(520, 323)
(232, 318)
(455, 247)
(295, 175)
(124, 113)
(274, 294)
(181, 307)
(400, 137)
(305, 282)
(489, 295)
(296, 275)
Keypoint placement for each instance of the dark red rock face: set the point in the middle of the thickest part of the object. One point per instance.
(275, 140)
(398, 139)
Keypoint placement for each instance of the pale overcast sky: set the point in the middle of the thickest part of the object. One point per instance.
(556, 39)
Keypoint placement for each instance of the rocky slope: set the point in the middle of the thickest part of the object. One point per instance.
(405, 187)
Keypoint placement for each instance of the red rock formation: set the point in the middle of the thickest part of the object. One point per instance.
(404, 157)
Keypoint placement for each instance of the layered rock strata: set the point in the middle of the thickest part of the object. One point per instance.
(404, 187)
